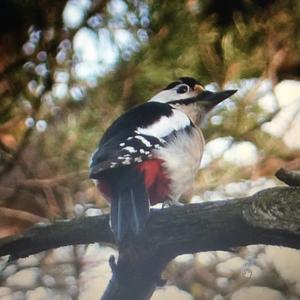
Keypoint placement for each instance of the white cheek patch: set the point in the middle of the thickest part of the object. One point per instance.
(166, 125)
(171, 95)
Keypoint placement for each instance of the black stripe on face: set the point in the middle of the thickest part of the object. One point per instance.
(207, 98)
(185, 101)
(174, 134)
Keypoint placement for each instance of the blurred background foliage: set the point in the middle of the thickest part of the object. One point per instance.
(68, 68)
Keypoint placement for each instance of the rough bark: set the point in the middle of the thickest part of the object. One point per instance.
(271, 216)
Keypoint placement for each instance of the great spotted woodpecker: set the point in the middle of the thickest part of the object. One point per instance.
(152, 153)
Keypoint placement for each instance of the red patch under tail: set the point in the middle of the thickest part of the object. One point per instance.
(155, 179)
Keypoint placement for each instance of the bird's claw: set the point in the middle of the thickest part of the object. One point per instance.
(161, 282)
(170, 203)
(112, 263)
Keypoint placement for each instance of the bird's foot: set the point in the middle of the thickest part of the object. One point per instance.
(161, 282)
(112, 263)
(171, 202)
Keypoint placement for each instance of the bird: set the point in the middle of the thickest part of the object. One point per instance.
(152, 152)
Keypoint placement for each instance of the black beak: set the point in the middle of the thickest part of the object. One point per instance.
(211, 99)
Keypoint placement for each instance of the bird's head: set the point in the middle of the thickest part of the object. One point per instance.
(188, 95)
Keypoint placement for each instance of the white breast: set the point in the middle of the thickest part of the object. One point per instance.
(182, 158)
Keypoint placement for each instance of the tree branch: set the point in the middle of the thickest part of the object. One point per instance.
(61, 233)
(291, 178)
(271, 216)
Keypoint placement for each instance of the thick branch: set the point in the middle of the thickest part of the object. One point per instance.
(270, 217)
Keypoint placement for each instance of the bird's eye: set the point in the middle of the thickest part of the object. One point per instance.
(182, 89)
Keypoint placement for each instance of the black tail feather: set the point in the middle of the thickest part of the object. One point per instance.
(139, 209)
(118, 218)
(129, 209)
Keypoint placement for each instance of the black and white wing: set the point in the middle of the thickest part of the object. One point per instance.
(134, 136)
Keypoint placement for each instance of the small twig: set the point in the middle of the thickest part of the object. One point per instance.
(21, 215)
(18, 63)
(292, 164)
(49, 182)
(291, 178)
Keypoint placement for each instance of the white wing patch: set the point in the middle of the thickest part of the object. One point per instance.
(143, 140)
(130, 149)
(166, 125)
